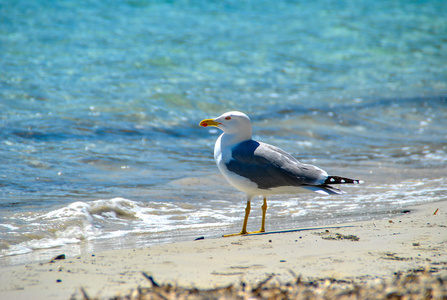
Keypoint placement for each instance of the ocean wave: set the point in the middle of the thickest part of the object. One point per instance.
(120, 218)
(101, 219)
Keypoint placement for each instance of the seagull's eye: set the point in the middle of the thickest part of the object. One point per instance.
(228, 118)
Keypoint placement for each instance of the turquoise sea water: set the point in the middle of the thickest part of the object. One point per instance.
(100, 103)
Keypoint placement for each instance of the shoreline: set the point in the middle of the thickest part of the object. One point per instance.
(362, 252)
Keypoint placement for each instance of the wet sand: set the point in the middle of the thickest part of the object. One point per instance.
(361, 252)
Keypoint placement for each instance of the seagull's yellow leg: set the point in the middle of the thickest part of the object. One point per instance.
(244, 226)
(247, 212)
(264, 210)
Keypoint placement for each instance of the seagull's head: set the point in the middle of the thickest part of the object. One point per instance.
(233, 122)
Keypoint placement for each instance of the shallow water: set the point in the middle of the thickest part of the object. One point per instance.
(100, 104)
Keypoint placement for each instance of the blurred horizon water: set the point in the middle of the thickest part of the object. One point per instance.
(100, 104)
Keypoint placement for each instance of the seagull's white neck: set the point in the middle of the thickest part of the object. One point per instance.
(224, 146)
(232, 139)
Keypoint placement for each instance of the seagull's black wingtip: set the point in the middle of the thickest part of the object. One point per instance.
(341, 180)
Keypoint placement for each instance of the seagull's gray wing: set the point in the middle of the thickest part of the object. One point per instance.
(271, 167)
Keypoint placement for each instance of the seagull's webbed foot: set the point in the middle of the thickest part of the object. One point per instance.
(243, 233)
(235, 234)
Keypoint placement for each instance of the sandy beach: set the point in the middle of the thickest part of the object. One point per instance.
(364, 252)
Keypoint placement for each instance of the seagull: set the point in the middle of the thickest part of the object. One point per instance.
(257, 168)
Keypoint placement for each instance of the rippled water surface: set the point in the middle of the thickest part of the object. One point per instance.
(100, 104)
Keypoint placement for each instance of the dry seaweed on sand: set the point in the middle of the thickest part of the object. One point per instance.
(414, 284)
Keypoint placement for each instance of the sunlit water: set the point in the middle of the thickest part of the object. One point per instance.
(100, 103)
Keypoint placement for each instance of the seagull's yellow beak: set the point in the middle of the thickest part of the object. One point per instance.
(208, 122)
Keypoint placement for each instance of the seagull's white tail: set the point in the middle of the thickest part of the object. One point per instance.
(323, 189)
